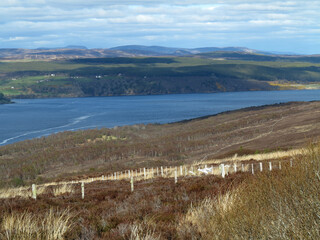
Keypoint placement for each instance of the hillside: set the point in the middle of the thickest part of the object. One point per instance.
(70, 52)
(252, 202)
(217, 72)
(3, 99)
(247, 131)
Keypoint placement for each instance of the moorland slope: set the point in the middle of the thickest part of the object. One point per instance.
(91, 152)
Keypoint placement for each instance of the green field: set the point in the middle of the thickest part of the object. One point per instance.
(153, 75)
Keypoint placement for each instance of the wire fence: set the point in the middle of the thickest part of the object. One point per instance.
(78, 188)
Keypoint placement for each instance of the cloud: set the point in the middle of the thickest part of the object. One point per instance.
(190, 23)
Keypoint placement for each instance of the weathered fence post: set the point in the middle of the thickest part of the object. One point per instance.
(242, 167)
(131, 181)
(279, 165)
(161, 171)
(234, 167)
(181, 170)
(175, 176)
(223, 172)
(261, 166)
(166, 171)
(34, 192)
(82, 190)
(252, 169)
(270, 166)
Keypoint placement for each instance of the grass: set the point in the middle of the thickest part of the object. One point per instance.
(50, 226)
(269, 205)
(278, 205)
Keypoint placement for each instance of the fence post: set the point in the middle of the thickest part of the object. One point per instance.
(252, 169)
(102, 177)
(181, 171)
(242, 167)
(261, 167)
(270, 166)
(166, 170)
(175, 176)
(291, 163)
(82, 190)
(223, 172)
(234, 167)
(34, 192)
(144, 173)
(131, 181)
(161, 171)
(279, 165)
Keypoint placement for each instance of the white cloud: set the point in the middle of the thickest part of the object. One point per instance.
(153, 22)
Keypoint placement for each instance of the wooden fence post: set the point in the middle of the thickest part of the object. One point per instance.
(234, 167)
(270, 166)
(279, 165)
(242, 167)
(161, 171)
(132, 187)
(181, 171)
(166, 171)
(144, 173)
(175, 176)
(223, 172)
(34, 192)
(252, 169)
(291, 164)
(82, 190)
(261, 166)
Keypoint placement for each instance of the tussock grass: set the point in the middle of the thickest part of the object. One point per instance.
(278, 205)
(62, 189)
(51, 226)
(259, 157)
(141, 232)
(23, 192)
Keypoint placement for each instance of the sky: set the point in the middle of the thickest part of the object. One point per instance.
(273, 25)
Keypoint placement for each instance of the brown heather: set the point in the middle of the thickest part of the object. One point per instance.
(282, 204)
(279, 205)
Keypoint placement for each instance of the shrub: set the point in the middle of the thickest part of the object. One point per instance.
(278, 205)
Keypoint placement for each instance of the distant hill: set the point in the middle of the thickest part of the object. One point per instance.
(72, 51)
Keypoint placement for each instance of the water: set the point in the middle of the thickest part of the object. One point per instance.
(31, 118)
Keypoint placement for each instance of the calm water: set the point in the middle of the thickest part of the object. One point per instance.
(33, 118)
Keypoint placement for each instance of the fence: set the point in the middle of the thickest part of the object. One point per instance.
(143, 174)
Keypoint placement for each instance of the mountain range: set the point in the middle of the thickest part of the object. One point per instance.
(121, 51)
